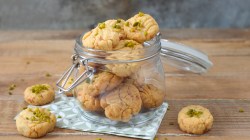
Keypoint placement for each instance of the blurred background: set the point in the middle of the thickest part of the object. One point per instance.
(78, 14)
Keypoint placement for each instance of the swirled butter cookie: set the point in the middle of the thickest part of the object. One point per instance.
(105, 36)
(141, 27)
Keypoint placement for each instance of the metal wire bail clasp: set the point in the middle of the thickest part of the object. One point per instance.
(74, 70)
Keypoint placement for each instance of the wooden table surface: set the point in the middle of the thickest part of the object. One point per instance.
(26, 57)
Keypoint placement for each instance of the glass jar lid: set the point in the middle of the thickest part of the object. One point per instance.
(184, 57)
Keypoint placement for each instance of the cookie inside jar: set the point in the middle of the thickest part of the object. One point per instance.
(127, 85)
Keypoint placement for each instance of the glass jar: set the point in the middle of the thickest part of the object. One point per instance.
(128, 85)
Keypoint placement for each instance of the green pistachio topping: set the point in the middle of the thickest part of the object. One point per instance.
(101, 25)
(132, 29)
(119, 20)
(24, 108)
(116, 26)
(48, 75)
(96, 33)
(10, 93)
(241, 110)
(71, 80)
(171, 123)
(12, 87)
(129, 44)
(59, 116)
(127, 24)
(88, 80)
(194, 113)
(145, 33)
(141, 14)
(39, 88)
(39, 116)
(137, 24)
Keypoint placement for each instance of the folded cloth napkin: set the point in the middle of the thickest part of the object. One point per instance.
(71, 117)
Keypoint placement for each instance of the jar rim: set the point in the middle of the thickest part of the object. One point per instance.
(151, 48)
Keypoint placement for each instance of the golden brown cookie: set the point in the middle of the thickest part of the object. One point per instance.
(100, 83)
(89, 91)
(141, 27)
(128, 50)
(195, 119)
(88, 102)
(151, 96)
(122, 103)
(67, 84)
(35, 122)
(39, 94)
(105, 36)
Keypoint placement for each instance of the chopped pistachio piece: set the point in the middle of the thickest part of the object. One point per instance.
(241, 110)
(48, 75)
(12, 87)
(71, 80)
(39, 88)
(116, 26)
(59, 116)
(171, 123)
(39, 116)
(129, 44)
(119, 20)
(136, 24)
(87, 80)
(10, 93)
(96, 33)
(127, 24)
(101, 25)
(194, 113)
(141, 14)
(132, 29)
(25, 108)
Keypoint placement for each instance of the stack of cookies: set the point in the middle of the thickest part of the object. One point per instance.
(119, 91)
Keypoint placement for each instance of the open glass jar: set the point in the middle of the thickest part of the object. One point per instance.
(126, 86)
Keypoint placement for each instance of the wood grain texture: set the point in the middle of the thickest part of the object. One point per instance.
(224, 90)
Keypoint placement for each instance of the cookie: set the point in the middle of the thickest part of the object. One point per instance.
(67, 85)
(39, 94)
(141, 27)
(88, 102)
(35, 122)
(122, 103)
(100, 83)
(128, 50)
(151, 96)
(105, 36)
(89, 91)
(195, 119)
